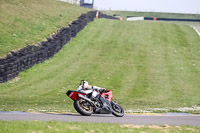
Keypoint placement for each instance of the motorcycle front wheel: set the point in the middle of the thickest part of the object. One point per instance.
(83, 107)
(117, 109)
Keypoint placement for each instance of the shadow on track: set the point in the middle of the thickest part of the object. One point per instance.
(93, 115)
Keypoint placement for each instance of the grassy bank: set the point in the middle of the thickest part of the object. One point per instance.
(29, 22)
(145, 64)
(75, 127)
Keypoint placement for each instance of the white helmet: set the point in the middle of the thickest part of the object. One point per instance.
(85, 83)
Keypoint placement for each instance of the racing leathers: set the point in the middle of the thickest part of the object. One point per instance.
(86, 88)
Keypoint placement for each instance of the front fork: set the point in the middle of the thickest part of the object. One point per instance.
(105, 107)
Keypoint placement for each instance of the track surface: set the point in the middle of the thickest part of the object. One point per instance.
(197, 29)
(157, 119)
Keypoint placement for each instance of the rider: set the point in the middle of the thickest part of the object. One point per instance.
(86, 88)
(93, 90)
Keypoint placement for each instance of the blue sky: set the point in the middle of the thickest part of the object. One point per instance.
(174, 6)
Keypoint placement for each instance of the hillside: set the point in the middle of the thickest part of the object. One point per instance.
(29, 22)
(145, 64)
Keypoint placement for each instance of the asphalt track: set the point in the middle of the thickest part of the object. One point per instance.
(197, 29)
(135, 119)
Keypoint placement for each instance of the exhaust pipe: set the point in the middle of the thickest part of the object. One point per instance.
(87, 99)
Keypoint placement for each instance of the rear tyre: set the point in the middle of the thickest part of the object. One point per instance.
(83, 107)
(117, 109)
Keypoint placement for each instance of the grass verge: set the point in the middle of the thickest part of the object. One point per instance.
(29, 22)
(76, 127)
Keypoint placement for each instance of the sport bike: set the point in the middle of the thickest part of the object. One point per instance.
(102, 104)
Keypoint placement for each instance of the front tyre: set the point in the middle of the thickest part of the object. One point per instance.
(117, 109)
(83, 107)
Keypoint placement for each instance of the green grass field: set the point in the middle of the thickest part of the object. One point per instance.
(145, 64)
(25, 22)
(75, 127)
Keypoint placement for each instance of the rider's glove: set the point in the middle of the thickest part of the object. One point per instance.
(102, 89)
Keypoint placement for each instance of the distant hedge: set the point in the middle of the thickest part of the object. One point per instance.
(18, 61)
(168, 19)
(172, 19)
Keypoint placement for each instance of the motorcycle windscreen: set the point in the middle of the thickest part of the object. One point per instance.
(74, 94)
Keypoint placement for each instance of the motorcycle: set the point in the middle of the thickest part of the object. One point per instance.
(86, 105)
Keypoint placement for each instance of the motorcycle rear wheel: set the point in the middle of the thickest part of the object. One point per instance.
(83, 107)
(118, 111)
